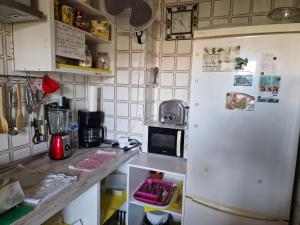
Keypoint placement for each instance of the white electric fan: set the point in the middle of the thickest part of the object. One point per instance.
(132, 16)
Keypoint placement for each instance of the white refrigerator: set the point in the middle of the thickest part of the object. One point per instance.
(242, 149)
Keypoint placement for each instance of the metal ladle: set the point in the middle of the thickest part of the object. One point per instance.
(13, 130)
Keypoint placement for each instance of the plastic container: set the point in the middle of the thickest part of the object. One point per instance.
(158, 193)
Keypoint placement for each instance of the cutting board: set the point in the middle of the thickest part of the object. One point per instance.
(15, 213)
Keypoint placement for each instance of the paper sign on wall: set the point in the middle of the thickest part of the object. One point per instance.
(70, 42)
(219, 59)
(270, 64)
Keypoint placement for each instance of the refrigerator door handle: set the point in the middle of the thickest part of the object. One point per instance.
(235, 212)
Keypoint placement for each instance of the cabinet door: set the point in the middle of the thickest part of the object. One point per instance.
(196, 214)
(34, 42)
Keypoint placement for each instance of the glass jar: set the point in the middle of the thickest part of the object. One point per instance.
(100, 61)
(87, 62)
(103, 61)
(106, 61)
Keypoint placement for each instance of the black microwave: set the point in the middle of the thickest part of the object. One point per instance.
(165, 141)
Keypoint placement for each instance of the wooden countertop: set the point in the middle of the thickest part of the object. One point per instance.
(85, 181)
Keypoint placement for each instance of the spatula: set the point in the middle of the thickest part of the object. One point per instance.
(3, 121)
(20, 117)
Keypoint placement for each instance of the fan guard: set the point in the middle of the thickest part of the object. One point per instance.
(131, 15)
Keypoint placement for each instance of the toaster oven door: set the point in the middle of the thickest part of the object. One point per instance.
(165, 141)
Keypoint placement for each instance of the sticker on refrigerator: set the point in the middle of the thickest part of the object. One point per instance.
(218, 59)
(240, 63)
(243, 78)
(269, 87)
(239, 101)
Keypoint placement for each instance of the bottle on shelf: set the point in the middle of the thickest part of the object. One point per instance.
(79, 21)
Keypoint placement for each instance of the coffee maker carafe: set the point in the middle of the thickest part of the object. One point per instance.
(91, 132)
(58, 122)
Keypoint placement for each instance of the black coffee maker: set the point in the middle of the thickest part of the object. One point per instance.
(91, 131)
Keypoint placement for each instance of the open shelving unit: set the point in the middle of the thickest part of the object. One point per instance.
(138, 170)
(39, 39)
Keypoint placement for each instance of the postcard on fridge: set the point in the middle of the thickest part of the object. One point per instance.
(239, 101)
(269, 88)
(243, 78)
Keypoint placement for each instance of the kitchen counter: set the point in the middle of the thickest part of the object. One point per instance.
(85, 180)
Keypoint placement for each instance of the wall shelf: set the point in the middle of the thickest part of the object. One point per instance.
(64, 68)
(89, 10)
(39, 40)
(89, 37)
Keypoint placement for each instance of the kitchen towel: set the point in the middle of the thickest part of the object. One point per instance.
(93, 96)
(96, 160)
(38, 186)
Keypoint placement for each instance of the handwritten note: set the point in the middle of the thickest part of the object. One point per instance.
(70, 42)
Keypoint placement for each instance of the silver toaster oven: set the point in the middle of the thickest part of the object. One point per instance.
(173, 112)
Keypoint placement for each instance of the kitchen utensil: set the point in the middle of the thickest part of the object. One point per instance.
(173, 112)
(49, 85)
(37, 137)
(29, 102)
(157, 217)
(13, 130)
(11, 193)
(3, 121)
(155, 74)
(20, 117)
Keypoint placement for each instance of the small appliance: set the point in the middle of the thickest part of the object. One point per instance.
(91, 131)
(173, 112)
(164, 140)
(58, 120)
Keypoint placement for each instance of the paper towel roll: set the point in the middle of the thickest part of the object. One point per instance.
(93, 96)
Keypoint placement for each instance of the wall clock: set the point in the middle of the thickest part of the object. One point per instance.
(181, 21)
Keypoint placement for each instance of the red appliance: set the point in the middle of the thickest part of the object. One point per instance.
(60, 147)
(58, 123)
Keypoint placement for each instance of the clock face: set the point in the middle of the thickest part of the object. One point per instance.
(181, 22)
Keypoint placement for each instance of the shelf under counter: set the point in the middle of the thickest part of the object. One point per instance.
(161, 163)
